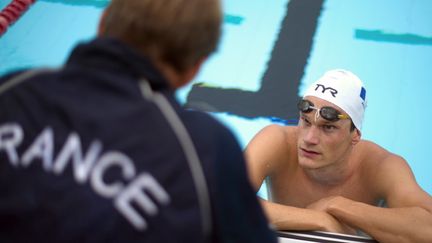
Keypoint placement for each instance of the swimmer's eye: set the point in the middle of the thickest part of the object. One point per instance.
(305, 120)
(329, 128)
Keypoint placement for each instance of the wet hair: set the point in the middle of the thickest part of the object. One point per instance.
(177, 32)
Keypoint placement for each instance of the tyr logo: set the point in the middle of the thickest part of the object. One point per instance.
(332, 91)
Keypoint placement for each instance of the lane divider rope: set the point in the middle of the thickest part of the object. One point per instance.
(12, 12)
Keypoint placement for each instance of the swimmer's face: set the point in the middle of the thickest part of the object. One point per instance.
(322, 142)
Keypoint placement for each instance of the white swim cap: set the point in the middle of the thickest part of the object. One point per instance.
(345, 90)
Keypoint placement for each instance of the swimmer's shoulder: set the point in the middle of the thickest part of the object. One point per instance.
(277, 142)
(377, 160)
(273, 139)
(371, 151)
(385, 172)
(275, 145)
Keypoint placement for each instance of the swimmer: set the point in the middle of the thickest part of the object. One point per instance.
(322, 176)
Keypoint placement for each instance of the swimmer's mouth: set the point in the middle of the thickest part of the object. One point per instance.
(308, 153)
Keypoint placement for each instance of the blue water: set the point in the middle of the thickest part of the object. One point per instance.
(391, 53)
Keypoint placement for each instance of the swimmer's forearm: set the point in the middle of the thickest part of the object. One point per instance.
(412, 224)
(292, 218)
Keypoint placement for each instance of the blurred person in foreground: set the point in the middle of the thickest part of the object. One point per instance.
(99, 150)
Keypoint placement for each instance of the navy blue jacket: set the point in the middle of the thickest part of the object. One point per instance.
(86, 156)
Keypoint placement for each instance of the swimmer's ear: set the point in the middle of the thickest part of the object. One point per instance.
(355, 136)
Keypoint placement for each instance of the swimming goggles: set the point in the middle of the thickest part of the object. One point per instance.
(326, 112)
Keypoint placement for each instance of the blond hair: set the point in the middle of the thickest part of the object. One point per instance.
(177, 32)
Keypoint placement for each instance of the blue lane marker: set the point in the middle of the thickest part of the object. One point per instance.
(381, 36)
(233, 19)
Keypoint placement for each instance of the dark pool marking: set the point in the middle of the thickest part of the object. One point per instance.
(278, 94)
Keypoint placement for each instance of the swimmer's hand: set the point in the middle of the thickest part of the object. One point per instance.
(328, 222)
